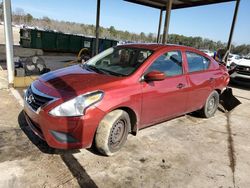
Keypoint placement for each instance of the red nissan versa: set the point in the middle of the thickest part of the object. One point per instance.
(120, 91)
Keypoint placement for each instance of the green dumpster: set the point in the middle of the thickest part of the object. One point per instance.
(25, 38)
(62, 42)
(48, 41)
(55, 41)
(36, 39)
(75, 43)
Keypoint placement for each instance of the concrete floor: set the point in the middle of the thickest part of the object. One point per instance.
(184, 152)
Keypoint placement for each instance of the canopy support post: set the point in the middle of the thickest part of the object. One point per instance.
(159, 27)
(8, 41)
(167, 20)
(229, 43)
(97, 26)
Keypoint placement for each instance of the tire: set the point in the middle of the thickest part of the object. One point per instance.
(112, 132)
(210, 106)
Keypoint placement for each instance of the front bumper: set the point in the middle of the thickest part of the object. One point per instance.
(64, 132)
(240, 78)
(236, 75)
(241, 73)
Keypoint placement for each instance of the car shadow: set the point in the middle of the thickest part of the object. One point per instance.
(240, 85)
(195, 115)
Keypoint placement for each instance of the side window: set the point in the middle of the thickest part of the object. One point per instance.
(197, 62)
(170, 63)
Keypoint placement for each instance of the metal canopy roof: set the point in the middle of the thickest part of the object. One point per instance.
(177, 4)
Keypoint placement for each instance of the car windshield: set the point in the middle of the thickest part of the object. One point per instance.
(118, 61)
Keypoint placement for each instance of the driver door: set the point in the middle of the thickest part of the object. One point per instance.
(165, 99)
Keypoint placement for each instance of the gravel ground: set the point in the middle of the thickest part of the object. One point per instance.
(185, 152)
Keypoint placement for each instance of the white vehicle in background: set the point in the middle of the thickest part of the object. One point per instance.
(233, 58)
(208, 52)
(240, 70)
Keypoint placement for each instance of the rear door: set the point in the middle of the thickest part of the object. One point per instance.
(167, 98)
(201, 80)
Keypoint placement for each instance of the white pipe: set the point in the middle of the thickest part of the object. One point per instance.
(8, 40)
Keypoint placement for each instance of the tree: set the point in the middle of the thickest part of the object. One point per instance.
(126, 36)
(112, 31)
(150, 37)
(46, 19)
(142, 36)
(220, 45)
(29, 18)
(18, 15)
(47, 22)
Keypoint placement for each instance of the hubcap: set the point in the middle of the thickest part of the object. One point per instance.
(211, 105)
(117, 133)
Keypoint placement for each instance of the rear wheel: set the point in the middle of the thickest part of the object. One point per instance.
(211, 105)
(112, 132)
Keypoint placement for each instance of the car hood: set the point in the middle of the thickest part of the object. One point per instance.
(244, 62)
(73, 80)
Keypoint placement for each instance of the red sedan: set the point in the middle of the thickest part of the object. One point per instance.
(120, 91)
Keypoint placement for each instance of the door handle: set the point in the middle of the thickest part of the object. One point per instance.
(180, 85)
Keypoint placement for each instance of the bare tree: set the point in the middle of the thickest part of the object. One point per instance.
(19, 13)
(29, 18)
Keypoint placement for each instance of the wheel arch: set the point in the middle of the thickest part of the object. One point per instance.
(218, 90)
(133, 118)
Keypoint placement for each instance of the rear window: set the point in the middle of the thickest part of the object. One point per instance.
(197, 62)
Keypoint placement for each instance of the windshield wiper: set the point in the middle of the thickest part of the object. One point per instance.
(113, 73)
(93, 68)
(100, 70)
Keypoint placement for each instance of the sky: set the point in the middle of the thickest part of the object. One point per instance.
(211, 21)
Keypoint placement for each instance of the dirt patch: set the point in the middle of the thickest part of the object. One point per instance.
(14, 140)
(184, 152)
(231, 149)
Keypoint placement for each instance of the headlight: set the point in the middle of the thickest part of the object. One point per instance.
(77, 105)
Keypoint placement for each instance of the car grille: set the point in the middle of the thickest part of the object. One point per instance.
(36, 99)
(243, 70)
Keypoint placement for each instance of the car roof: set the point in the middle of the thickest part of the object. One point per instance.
(156, 47)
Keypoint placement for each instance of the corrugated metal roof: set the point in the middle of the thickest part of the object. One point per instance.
(177, 4)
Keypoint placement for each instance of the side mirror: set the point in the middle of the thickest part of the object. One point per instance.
(154, 76)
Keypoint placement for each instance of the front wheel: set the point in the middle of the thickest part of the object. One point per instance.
(112, 132)
(211, 105)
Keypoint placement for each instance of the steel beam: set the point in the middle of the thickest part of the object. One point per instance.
(97, 26)
(177, 4)
(159, 27)
(167, 19)
(8, 41)
(229, 43)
